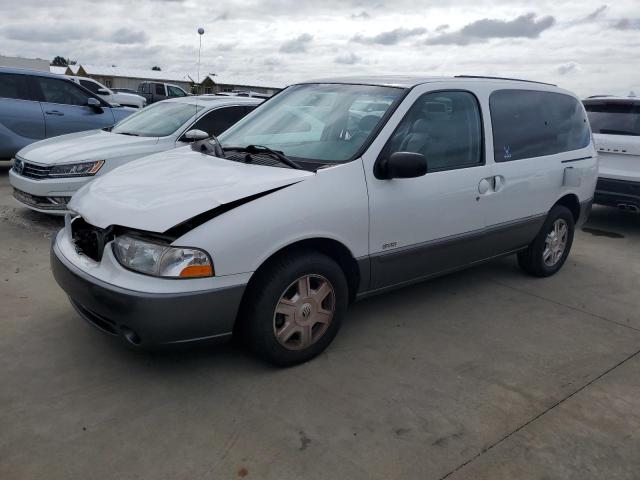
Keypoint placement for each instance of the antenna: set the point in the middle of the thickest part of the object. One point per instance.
(200, 33)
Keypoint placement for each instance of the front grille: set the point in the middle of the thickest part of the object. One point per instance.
(45, 203)
(35, 171)
(90, 240)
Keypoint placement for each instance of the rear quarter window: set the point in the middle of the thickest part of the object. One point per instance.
(529, 123)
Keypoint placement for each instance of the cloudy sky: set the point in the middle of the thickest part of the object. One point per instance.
(587, 46)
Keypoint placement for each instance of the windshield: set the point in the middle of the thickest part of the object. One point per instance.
(158, 120)
(614, 118)
(316, 122)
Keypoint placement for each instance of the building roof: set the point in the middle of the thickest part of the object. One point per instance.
(241, 81)
(140, 73)
(57, 70)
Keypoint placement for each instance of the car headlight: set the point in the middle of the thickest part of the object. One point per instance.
(161, 260)
(85, 169)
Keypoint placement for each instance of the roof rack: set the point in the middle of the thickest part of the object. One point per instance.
(505, 78)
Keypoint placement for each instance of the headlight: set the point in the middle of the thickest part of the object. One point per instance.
(161, 260)
(85, 169)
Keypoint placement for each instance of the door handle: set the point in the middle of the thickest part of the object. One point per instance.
(498, 182)
(54, 112)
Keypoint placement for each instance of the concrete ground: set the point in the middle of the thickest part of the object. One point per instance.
(485, 374)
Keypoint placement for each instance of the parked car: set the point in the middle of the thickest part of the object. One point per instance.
(615, 122)
(127, 99)
(125, 90)
(37, 105)
(157, 91)
(47, 173)
(274, 237)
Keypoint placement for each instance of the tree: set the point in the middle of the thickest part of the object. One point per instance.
(156, 68)
(60, 62)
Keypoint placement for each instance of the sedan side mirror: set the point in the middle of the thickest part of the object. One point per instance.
(402, 165)
(103, 91)
(94, 103)
(195, 135)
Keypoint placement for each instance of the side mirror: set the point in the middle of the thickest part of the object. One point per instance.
(402, 165)
(195, 135)
(103, 91)
(94, 103)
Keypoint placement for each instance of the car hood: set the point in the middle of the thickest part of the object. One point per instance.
(90, 145)
(162, 190)
(132, 96)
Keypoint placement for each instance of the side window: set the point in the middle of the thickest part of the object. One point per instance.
(175, 92)
(141, 88)
(14, 86)
(61, 91)
(159, 89)
(446, 127)
(529, 123)
(89, 85)
(219, 120)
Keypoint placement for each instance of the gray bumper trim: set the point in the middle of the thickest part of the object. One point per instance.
(155, 319)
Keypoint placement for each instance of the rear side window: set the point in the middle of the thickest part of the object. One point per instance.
(91, 86)
(159, 89)
(14, 86)
(614, 118)
(175, 91)
(217, 121)
(529, 123)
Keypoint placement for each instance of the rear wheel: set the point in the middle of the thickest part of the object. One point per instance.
(549, 250)
(295, 307)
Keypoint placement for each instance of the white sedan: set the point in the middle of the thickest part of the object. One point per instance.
(46, 174)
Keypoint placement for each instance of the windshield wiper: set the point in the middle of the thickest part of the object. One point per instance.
(257, 149)
(128, 133)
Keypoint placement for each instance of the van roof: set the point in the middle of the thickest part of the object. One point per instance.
(403, 81)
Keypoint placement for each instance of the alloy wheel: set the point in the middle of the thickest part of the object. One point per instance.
(555, 243)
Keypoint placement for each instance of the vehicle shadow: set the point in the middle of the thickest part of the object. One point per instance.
(605, 221)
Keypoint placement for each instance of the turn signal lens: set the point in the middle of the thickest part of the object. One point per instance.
(197, 271)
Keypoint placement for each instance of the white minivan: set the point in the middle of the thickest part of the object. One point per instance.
(271, 232)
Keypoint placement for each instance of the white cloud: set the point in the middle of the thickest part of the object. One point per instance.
(245, 37)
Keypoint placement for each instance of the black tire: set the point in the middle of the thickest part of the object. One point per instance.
(531, 260)
(267, 287)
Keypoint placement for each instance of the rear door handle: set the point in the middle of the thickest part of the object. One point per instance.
(54, 112)
(498, 182)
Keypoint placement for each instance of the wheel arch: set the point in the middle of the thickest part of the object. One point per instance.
(572, 202)
(334, 249)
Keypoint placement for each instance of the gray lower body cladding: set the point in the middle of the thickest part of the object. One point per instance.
(148, 319)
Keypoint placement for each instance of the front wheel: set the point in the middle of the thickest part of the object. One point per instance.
(549, 250)
(295, 307)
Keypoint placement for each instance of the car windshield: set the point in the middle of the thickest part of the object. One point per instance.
(316, 122)
(614, 118)
(158, 120)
